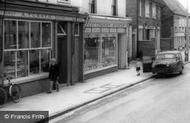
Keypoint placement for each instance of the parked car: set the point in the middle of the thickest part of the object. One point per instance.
(168, 62)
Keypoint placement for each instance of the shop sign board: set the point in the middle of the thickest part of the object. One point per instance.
(88, 30)
(96, 30)
(38, 16)
(105, 29)
(113, 30)
(121, 30)
(104, 25)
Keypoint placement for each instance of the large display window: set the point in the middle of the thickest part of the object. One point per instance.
(91, 53)
(109, 51)
(100, 52)
(27, 47)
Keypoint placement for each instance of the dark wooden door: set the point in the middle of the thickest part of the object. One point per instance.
(75, 59)
(62, 58)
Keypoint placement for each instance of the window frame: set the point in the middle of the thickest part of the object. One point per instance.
(147, 8)
(93, 6)
(41, 74)
(114, 7)
(154, 12)
(101, 36)
(140, 8)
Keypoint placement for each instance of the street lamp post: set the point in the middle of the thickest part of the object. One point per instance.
(187, 31)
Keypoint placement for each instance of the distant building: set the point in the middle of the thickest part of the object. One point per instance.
(146, 15)
(107, 36)
(173, 30)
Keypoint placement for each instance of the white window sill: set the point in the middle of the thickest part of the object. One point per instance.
(99, 69)
(28, 78)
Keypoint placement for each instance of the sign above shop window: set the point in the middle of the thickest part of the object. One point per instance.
(39, 16)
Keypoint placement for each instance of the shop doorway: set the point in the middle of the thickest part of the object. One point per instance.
(62, 51)
(122, 51)
(75, 59)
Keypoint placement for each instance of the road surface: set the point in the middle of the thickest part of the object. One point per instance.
(159, 100)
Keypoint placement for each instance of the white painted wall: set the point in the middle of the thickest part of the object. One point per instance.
(122, 8)
(82, 4)
(103, 7)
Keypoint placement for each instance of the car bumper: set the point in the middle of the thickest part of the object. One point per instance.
(163, 69)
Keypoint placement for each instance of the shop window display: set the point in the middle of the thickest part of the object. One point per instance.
(28, 51)
(91, 53)
(34, 61)
(99, 52)
(109, 51)
(46, 35)
(10, 34)
(22, 63)
(45, 56)
(9, 63)
(35, 34)
(23, 34)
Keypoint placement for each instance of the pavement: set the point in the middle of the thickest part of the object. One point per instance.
(80, 94)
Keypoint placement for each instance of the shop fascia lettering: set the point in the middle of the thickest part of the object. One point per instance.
(27, 15)
(38, 16)
(106, 25)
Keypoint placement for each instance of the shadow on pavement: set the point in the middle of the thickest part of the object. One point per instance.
(166, 75)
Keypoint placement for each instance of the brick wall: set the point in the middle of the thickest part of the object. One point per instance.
(166, 44)
(167, 23)
(147, 47)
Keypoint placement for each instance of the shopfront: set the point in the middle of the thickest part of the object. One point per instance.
(31, 37)
(106, 44)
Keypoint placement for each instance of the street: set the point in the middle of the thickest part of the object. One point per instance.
(159, 100)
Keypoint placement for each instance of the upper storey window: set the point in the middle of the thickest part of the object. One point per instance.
(114, 7)
(140, 7)
(154, 10)
(147, 8)
(92, 6)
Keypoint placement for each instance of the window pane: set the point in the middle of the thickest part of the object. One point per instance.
(9, 63)
(147, 8)
(10, 35)
(91, 53)
(34, 62)
(45, 57)
(46, 34)
(35, 34)
(109, 51)
(76, 29)
(22, 63)
(23, 34)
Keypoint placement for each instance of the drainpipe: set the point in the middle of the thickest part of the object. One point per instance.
(187, 31)
(137, 21)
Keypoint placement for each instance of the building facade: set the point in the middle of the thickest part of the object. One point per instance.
(146, 15)
(107, 36)
(174, 25)
(33, 32)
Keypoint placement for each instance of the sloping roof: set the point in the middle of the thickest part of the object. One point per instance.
(175, 6)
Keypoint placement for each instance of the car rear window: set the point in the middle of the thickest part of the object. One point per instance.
(166, 56)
